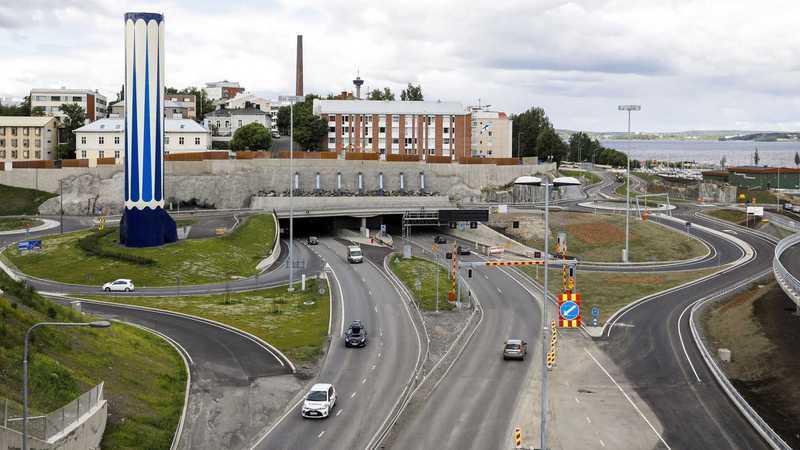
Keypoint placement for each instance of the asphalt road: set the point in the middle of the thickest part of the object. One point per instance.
(225, 368)
(647, 344)
(472, 408)
(368, 380)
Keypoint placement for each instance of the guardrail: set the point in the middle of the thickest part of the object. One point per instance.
(788, 281)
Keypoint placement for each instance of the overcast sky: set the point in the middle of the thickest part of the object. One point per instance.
(713, 64)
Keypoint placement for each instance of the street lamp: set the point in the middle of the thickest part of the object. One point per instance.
(625, 253)
(291, 99)
(96, 324)
(527, 180)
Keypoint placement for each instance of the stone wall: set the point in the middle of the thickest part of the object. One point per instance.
(86, 436)
(232, 183)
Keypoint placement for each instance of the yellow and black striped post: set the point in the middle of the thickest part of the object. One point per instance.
(517, 438)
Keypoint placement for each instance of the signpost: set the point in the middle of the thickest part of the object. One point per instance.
(569, 310)
(35, 244)
(595, 315)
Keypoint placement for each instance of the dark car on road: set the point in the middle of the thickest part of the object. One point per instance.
(462, 250)
(356, 335)
(440, 240)
(313, 240)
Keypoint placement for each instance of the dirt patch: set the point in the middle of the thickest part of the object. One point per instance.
(596, 233)
(760, 329)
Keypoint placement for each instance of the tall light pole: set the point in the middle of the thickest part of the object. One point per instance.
(626, 252)
(527, 180)
(97, 324)
(291, 99)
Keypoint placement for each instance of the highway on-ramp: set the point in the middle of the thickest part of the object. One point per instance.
(370, 380)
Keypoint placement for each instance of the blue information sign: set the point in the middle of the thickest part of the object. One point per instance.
(29, 245)
(595, 311)
(570, 310)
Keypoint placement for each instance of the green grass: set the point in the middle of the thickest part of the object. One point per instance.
(731, 215)
(649, 177)
(410, 270)
(195, 261)
(144, 377)
(19, 201)
(760, 196)
(18, 223)
(611, 291)
(588, 177)
(279, 317)
(601, 238)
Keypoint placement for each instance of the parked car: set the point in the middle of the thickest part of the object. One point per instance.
(313, 240)
(463, 250)
(354, 254)
(319, 401)
(439, 240)
(788, 207)
(276, 134)
(356, 335)
(515, 349)
(121, 285)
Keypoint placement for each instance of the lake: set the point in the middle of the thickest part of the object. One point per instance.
(737, 152)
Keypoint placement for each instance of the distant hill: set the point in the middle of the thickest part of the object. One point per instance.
(763, 137)
(691, 135)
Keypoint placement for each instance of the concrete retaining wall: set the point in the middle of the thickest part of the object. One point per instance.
(86, 436)
(301, 204)
(232, 183)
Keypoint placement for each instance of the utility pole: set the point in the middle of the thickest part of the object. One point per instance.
(626, 252)
(61, 199)
(291, 99)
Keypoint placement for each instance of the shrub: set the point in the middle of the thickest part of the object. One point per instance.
(91, 244)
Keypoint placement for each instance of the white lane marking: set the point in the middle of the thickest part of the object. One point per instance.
(577, 401)
(341, 301)
(363, 381)
(588, 420)
(683, 345)
(364, 280)
(373, 367)
(602, 443)
(379, 354)
(627, 398)
(353, 394)
(376, 308)
(486, 276)
(380, 331)
(339, 412)
(499, 291)
(321, 433)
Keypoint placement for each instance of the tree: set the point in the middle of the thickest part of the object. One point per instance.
(386, 94)
(723, 161)
(309, 130)
(283, 119)
(412, 93)
(24, 108)
(75, 118)
(549, 145)
(796, 159)
(525, 131)
(252, 136)
(756, 158)
(37, 111)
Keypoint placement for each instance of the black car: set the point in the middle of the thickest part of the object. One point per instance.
(356, 335)
(463, 250)
(312, 240)
(439, 240)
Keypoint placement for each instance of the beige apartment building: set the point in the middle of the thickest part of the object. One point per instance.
(28, 138)
(491, 134)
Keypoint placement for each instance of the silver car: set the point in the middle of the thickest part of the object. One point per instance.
(515, 349)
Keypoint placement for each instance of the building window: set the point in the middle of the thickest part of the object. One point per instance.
(77, 98)
(240, 123)
(395, 118)
(14, 154)
(332, 129)
(197, 141)
(2, 131)
(331, 140)
(180, 140)
(446, 141)
(38, 132)
(26, 143)
(14, 131)
(3, 154)
(14, 143)
(38, 154)
(116, 154)
(55, 98)
(116, 139)
(83, 140)
(26, 131)
(382, 130)
(101, 154)
(218, 124)
(83, 154)
(446, 130)
(166, 140)
(346, 119)
(432, 151)
(101, 140)
(369, 141)
(227, 124)
(37, 142)
(26, 154)
(395, 140)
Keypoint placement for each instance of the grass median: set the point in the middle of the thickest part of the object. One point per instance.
(193, 261)
(18, 223)
(729, 215)
(144, 376)
(601, 238)
(294, 322)
(588, 177)
(426, 271)
(18, 201)
(610, 291)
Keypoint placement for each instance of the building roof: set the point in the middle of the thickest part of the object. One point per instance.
(225, 112)
(223, 83)
(24, 121)
(66, 91)
(386, 107)
(116, 125)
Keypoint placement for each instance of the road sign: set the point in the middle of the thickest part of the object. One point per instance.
(473, 225)
(383, 229)
(569, 310)
(29, 245)
(594, 321)
(756, 210)
(461, 226)
(595, 311)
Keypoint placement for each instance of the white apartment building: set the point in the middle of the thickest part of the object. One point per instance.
(220, 90)
(491, 134)
(105, 138)
(94, 103)
(28, 138)
(243, 100)
(224, 122)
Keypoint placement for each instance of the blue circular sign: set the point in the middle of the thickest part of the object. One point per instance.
(569, 310)
(595, 311)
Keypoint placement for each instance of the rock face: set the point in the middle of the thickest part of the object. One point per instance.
(86, 193)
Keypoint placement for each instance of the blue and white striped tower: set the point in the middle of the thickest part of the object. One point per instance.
(144, 221)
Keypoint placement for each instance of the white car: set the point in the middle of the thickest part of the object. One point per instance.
(121, 285)
(354, 254)
(319, 401)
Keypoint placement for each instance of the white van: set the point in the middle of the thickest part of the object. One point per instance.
(354, 254)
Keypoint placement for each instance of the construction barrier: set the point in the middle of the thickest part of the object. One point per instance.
(517, 438)
(551, 355)
(515, 263)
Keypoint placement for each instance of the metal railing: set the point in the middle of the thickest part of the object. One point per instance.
(46, 427)
(788, 281)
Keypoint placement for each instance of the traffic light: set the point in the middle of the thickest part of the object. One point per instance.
(473, 225)
(453, 225)
(537, 255)
(469, 273)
